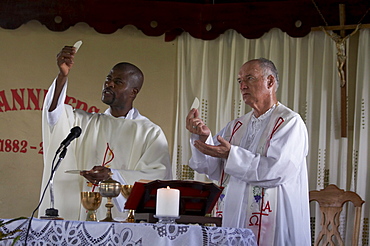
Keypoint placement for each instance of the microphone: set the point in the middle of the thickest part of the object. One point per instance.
(75, 133)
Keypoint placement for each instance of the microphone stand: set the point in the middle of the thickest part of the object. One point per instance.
(52, 213)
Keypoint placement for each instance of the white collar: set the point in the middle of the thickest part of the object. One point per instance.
(266, 114)
(130, 114)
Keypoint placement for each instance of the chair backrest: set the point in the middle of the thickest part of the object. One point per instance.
(331, 201)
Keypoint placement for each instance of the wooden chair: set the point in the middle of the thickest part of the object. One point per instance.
(331, 201)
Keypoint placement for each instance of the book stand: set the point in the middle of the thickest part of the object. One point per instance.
(197, 199)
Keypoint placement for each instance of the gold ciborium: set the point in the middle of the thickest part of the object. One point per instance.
(109, 188)
(91, 202)
(126, 191)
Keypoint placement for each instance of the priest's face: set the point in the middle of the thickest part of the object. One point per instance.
(117, 91)
(253, 84)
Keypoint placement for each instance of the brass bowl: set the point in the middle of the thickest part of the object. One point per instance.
(91, 201)
(126, 190)
(110, 188)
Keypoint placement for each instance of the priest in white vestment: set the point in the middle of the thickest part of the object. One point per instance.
(119, 141)
(260, 160)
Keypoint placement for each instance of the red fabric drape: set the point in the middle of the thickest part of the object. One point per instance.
(202, 19)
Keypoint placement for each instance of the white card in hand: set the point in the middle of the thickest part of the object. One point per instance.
(195, 103)
(73, 171)
(77, 45)
(78, 171)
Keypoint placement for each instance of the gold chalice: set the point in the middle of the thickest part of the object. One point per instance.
(109, 188)
(126, 191)
(91, 202)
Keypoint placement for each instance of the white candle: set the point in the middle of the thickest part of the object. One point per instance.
(168, 201)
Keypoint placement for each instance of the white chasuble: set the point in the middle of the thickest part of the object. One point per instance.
(267, 188)
(135, 149)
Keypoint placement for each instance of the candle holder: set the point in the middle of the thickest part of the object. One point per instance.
(166, 219)
(109, 189)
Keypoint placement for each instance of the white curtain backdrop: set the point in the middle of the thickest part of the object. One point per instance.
(309, 84)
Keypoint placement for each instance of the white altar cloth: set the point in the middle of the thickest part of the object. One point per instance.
(64, 232)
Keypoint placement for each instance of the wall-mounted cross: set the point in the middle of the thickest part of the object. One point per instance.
(340, 42)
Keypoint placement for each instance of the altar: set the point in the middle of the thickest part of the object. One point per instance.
(64, 232)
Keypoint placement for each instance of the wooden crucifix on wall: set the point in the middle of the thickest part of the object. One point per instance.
(340, 42)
